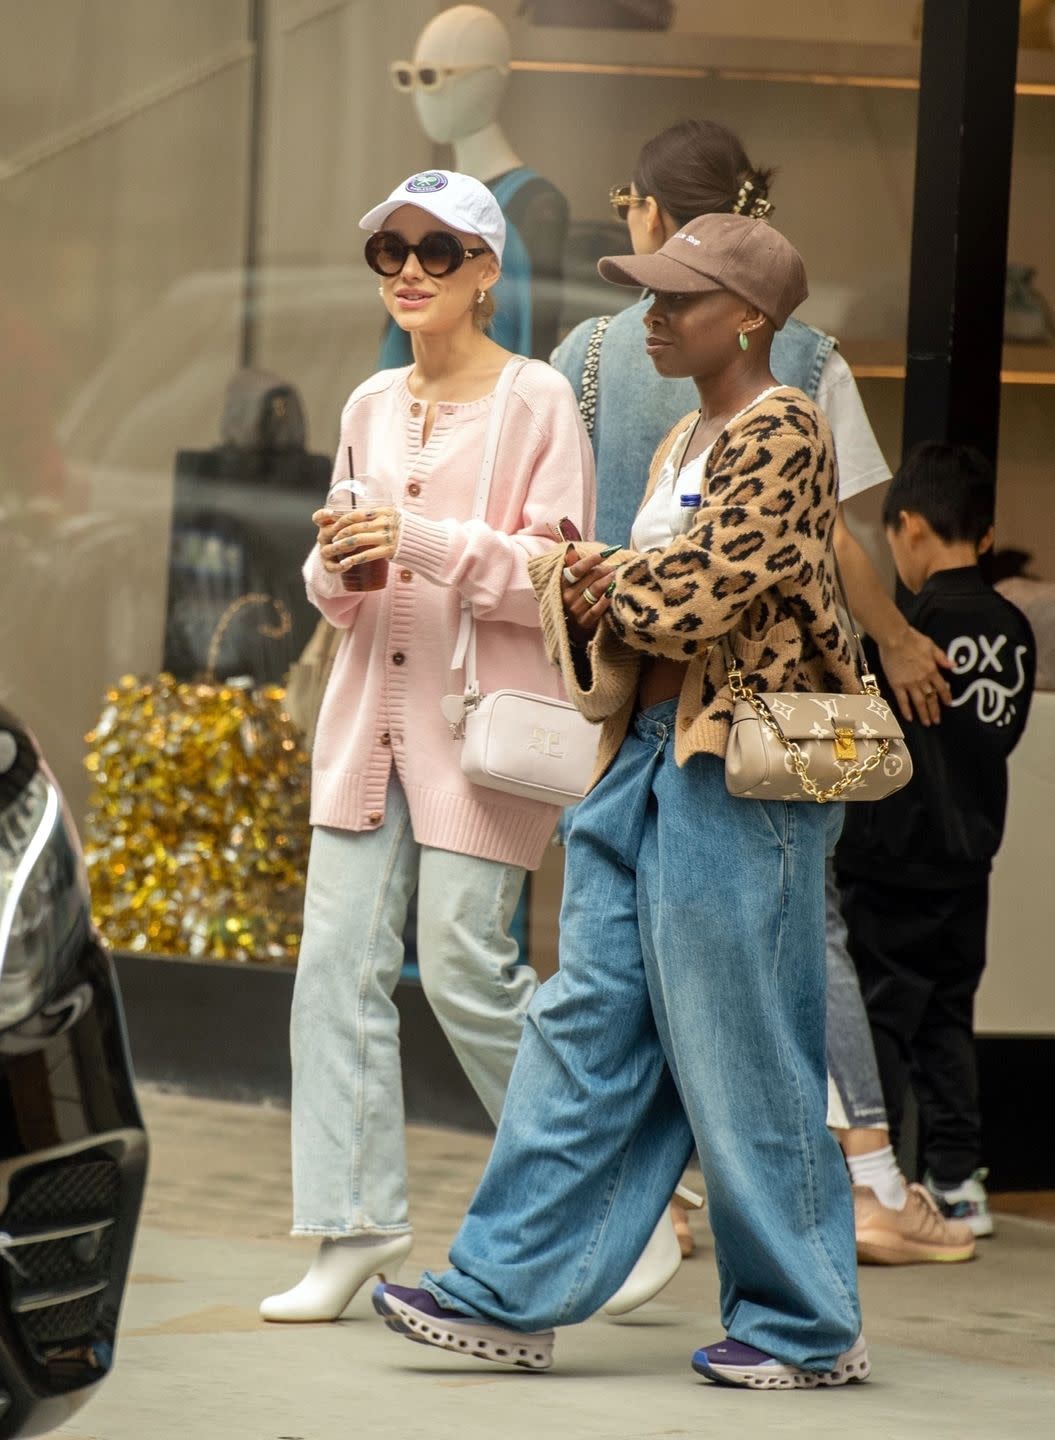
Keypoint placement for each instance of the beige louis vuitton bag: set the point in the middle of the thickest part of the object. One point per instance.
(793, 745)
(798, 746)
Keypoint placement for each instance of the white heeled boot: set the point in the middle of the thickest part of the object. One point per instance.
(657, 1264)
(340, 1268)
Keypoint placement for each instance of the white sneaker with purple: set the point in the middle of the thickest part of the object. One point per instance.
(731, 1363)
(417, 1315)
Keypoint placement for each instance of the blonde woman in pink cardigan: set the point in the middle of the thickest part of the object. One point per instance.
(392, 812)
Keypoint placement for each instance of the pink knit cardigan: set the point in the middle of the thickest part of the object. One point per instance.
(382, 705)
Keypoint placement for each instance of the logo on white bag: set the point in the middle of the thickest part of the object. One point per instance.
(546, 742)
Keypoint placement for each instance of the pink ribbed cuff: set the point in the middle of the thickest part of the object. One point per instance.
(423, 546)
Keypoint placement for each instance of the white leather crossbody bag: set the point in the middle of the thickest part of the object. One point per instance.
(534, 746)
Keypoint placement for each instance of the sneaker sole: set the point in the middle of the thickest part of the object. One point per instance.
(899, 1252)
(853, 1368)
(482, 1341)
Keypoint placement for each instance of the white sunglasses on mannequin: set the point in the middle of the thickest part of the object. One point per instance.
(407, 75)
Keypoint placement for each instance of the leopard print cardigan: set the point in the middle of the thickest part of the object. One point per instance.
(755, 567)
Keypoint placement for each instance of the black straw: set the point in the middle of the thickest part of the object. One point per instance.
(351, 474)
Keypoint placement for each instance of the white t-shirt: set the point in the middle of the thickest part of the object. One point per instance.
(857, 452)
(859, 458)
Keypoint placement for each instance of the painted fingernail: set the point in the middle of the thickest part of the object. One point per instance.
(611, 589)
(612, 550)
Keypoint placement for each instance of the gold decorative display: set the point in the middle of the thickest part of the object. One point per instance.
(197, 833)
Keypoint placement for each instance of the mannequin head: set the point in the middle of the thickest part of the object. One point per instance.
(468, 100)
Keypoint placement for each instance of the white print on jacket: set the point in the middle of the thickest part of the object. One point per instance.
(993, 698)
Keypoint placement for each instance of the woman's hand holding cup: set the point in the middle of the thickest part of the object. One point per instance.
(358, 533)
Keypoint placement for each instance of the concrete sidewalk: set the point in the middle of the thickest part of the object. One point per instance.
(957, 1351)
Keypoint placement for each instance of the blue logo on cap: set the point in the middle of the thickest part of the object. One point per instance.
(426, 183)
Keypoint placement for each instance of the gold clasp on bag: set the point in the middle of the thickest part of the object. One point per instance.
(845, 749)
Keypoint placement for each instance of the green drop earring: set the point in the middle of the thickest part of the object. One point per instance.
(743, 340)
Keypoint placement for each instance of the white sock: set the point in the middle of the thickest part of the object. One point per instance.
(880, 1172)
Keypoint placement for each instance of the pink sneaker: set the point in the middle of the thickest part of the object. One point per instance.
(917, 1235)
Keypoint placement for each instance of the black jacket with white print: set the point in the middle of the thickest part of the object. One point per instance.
(945, 827)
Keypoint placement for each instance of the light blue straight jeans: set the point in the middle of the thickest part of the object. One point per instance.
(689, 1007)
(349, 1151)
(857, 1101)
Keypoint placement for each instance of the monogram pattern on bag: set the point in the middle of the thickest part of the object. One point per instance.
(809, 723)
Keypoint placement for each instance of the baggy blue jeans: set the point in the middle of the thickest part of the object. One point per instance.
(689, 1006)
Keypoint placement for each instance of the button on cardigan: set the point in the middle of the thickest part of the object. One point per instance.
(382, 704)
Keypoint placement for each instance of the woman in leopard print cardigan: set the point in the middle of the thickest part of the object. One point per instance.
(689, 1008)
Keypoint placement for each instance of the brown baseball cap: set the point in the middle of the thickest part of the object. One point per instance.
(721, 252)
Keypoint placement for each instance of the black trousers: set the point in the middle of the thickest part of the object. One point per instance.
(919, 956)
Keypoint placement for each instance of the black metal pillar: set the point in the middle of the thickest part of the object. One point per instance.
(960, 219)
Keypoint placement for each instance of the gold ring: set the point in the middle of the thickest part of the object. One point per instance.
(589, 596)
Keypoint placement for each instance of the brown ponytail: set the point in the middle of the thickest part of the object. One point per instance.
(699, 167)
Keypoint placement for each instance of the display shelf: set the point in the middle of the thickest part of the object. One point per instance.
(885, 360)
(687, 56)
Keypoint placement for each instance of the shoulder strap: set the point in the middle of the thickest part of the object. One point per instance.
(590, 366)
(465, 645)
(506, 381)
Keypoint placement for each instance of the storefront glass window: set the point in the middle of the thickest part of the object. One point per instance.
(184, 309)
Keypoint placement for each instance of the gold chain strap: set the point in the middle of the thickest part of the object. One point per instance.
(273, 632)
(851, 777)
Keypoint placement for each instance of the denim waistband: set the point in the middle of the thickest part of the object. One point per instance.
(657, 722)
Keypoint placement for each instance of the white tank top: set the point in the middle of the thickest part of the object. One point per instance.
(663, 516)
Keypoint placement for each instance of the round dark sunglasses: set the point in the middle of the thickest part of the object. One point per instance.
(439, 253)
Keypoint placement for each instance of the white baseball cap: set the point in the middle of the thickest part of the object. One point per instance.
(456, 200)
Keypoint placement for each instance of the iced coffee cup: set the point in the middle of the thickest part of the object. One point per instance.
(346, 497)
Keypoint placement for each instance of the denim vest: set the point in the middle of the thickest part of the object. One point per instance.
(511, 327)
(636, 406)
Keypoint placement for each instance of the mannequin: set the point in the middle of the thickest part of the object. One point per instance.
(461, 111)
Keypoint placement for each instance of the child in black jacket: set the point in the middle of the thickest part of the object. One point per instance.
(914, 870)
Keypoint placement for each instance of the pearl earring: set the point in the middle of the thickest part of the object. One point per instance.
(481, 297)
(380, 289)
